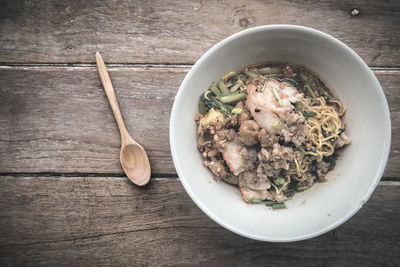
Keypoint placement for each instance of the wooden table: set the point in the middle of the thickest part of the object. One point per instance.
(64, 199)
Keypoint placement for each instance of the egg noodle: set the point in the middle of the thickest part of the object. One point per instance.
(323, 129)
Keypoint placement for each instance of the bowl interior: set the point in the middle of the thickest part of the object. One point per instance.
(358, 170)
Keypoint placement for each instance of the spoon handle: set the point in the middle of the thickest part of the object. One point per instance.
(105, 79)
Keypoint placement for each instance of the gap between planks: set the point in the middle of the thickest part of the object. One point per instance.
(135, 66)
(82, 175)
(25, 175)
(89, 66)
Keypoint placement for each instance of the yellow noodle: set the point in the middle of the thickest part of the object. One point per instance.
(327, 118)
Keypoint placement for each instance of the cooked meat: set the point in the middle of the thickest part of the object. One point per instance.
(205, 144)
(310, 178)
(237, 157)
(245, 115)
(282, 152)
(248, 132)
(271, 163)
(267, 169)
(232, 120)
(264, 155)
(211, 153)
(264, 106)
(342, 140)
(266, 140)
(231, 179)
(249, 193)
(252, 181)
(294, 130)
(322, 169)
(217, 168)
(219, 171)
(219, 143)
(266, 100)
(227, 134)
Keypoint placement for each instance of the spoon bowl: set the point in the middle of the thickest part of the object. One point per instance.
(135, 163)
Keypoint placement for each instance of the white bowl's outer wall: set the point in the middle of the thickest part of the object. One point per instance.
(349, 185)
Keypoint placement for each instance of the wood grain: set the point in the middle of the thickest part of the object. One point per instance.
(109, 221)
(58, 120)
(55, 119)
(181, 31)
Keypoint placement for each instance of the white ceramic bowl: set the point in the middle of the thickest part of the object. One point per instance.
(326, 205)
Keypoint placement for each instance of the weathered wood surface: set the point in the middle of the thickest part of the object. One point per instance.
(58, 120)
(109, 221)
(56, 127)
(181, 31)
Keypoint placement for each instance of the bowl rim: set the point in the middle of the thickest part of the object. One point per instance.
(385, 147)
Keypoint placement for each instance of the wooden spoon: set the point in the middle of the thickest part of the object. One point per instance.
(133, 157)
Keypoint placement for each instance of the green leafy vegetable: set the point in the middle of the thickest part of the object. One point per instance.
(202, 107)
(251, 74)
(323, 132)
(236, 86)
(310, 91)
(304, 77)
(302, 188)
(292, 82)
(223, 87)
(279, 181)
(232, 97)
(331, 159)
(323, 92)
(255, 201)
(278, 206)
(275, 205)
(308, 114)
(210, 102)
(298, 81)
(233, 79)
(270, 203)
(298, 107)
(314, 166)
(263, 88)
(326, 96)
(215, 90)
(278, 98)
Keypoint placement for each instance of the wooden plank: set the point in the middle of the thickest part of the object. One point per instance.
(92, 221)
(55, 119)
(390, 83)
(58, 120)
(181, 31)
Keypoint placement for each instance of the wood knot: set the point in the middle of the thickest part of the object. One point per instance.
(244, 22)
(242, 18)
(354, 12)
